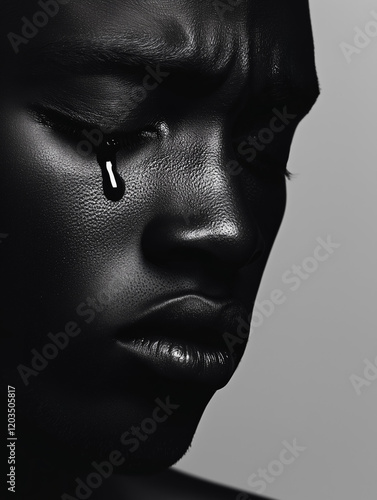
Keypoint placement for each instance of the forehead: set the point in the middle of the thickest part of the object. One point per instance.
(209, 27)
(270, 41)
(193, 14)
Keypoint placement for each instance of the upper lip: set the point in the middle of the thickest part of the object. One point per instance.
(189, 318)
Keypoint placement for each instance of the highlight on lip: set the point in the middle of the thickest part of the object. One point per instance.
(174, 358)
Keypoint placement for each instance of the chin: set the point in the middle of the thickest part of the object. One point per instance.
(75, 432)
(160, 455)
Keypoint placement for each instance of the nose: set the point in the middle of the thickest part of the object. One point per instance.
(205, 218)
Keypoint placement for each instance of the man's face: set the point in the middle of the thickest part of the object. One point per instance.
(143, 290)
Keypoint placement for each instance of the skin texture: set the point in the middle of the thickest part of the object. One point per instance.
(188, 225)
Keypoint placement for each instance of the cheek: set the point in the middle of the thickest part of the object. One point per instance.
(66, 237)
(267, 201)
(60, 225)
(271, 211)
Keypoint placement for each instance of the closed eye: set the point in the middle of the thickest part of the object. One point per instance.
(264, 164)
(74, 131)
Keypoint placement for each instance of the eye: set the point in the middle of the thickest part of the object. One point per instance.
(262, 142)
(102, 146)
(97, 138)
(264, 127)
(265, 161)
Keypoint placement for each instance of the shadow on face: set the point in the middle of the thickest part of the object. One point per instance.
(144, 151)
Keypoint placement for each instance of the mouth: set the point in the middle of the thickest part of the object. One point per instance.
(183, 339)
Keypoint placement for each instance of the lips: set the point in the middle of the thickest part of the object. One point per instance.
(183, 339)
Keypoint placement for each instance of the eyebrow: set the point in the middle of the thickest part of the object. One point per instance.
(116, 54)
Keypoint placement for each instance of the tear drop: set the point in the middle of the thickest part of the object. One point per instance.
(109, 168)
(113, 184)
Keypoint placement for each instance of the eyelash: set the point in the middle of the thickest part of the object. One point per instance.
(264, 165)
(74, 130)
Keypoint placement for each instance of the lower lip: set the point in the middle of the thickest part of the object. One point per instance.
(174, 359)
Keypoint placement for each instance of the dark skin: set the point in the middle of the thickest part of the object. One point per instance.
(196, 221)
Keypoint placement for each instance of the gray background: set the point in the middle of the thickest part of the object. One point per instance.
(294, 381)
